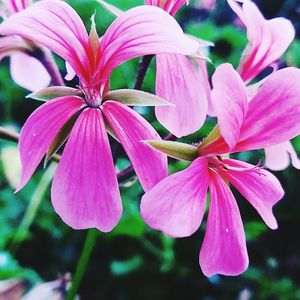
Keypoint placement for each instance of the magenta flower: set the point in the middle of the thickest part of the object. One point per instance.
(85, 190)
(267, 39)
(181, 80)
(176, 205)
(182, 83)
(25, 70)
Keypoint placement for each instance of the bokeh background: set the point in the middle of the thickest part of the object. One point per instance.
(133, 261)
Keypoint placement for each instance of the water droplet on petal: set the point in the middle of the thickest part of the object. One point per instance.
(227, 230)
(34, 134)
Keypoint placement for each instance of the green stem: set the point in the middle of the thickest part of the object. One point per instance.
(33, 207)
(83, 262)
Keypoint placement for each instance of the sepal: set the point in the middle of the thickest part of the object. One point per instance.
(131, 97)
(54, 92)
(176, 150)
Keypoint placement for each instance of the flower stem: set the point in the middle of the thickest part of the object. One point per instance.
(83, 262)
(142, 70)
(9, 135)
(32, 208)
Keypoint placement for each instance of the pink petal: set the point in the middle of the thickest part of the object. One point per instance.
(261, 188)
(274, 113)
(58, 27)
(85, 190)
(176, 204)
(171, 6)
(14, 6)
(70, 72)
(41, 128)
(131, 130)
(179, 82)
(224, 247)
(12, 44)
(229, 98)
(278, 157)
(140, 31)
(28, 72)
(268, 39)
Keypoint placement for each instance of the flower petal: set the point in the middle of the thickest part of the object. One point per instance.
(170, 6)
(85, 190)
(268, 39)
(40, 130)
(261, 188)
(57, 26)
(12, 44)
(176, 204)
(183, 84)
(229, 99)
(278, 157)
(28, 72)
(140, 31)
(224, 247)
(131, 129)
(14, 6)
(274, 113)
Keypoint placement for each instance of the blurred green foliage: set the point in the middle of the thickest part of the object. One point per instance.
(133, 261)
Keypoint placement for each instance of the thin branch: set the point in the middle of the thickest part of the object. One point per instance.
(142, 70)
(9, 135)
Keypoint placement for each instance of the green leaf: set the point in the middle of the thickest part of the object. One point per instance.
(176, 150)
(54, 92)
(136, 98)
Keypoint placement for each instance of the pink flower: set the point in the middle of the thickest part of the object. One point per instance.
(85, 190)
(180, 80)
(268, 39)
(25, 70)
(176, 205)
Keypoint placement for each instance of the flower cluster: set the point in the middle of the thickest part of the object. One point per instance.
(250, 116)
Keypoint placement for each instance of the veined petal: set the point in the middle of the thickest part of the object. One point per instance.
(170, 6)
(176, 204)
(268, 39)
(182, 83)
(274, 113)
(140, 31)
(41, 128)
(224, 247)
(229, 99)
(131, 129)
(85, 190)
(279, 157)
(57, 26)
(28, 72)
(261, 188)
(14, 6)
